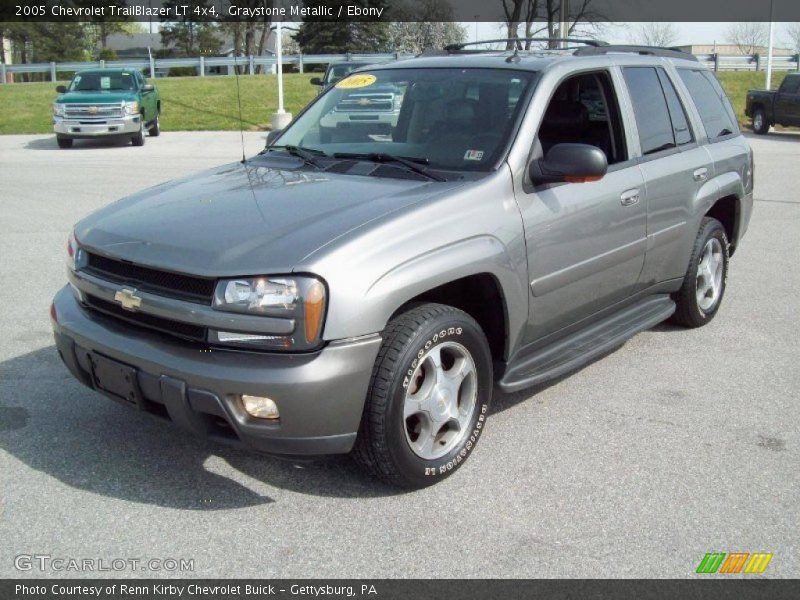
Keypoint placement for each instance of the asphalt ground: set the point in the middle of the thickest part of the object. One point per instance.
(677, 444)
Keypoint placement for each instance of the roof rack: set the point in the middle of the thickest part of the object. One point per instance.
(453, 48)
(644, 50)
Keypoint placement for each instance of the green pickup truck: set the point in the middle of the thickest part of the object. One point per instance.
(106, 103)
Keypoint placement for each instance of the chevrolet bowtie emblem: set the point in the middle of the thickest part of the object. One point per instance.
(128, 299)
(92, 110)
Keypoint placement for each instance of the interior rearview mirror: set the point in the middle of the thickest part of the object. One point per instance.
(316, 81)
(570, 163)
(273, 135)
(61, 89)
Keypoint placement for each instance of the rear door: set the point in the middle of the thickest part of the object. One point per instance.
(674, 166)
(787, 101)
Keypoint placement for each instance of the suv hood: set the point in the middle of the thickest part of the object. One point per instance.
(97, 97)
(244, 219)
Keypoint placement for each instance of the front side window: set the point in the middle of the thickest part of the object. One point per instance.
(650, 109)
(712, 103)
(456, 119)
(584, 110)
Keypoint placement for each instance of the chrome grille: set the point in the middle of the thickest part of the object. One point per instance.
(93, 111)
(366, 102)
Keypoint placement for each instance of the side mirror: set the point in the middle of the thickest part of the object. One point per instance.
(273, 135)
(61, 89)
(148, 87)
(317, 81)
(570, 163)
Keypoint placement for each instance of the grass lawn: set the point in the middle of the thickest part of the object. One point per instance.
(187, 103)
(209, 103)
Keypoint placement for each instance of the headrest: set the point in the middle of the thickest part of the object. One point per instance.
(461, 110)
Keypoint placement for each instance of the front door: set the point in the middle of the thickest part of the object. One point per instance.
(585, 241)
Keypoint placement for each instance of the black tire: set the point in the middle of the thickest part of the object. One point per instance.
(64, 142)
(138, 138)
(155, 128)
(382, 446)
(689, 313)
(760, 122)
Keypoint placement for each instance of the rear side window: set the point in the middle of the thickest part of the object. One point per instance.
(790, 85)
(680, 123)
(711, 101)
(650, 109)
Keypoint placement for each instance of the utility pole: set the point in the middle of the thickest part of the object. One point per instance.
(564, 25)
(769, 45)
(281, 118)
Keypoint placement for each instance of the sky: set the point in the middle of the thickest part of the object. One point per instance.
(619, 33)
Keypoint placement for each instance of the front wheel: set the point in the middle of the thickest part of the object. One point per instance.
(138, 138)
(64, 142)
(760, 123)
(699, 298)
(428, 398)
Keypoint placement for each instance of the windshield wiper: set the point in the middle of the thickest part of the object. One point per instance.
(411, 163)
(306, 154)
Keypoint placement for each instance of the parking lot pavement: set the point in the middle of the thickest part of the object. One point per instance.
(677, 444)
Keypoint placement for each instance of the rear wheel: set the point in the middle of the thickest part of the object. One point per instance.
(704, 284)
(428, 397)
(63, 142)
(155, 128)
(760, 123)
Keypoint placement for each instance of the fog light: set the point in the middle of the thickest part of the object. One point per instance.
(260, 407)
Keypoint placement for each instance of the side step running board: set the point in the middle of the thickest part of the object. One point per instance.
(577, 349)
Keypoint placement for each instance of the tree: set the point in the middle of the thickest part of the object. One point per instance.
(249, 35)
(793, 36)
(336, 37)
(655, 34)
(747, 37)
(544, 17)
(45, 42)
(189, 37)
(415, 37)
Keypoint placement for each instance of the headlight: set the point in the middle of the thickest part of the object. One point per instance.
(131, 108)
(299, 298)
(58, 109)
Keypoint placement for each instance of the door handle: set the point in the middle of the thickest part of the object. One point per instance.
(700, 174)
(629, 198)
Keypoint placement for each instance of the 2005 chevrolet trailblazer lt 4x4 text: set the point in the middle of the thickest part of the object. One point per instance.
(526, 213)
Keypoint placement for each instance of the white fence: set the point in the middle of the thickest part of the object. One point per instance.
(202, 64)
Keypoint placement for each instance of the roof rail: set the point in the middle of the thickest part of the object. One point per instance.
(452, 48)
(645, 50)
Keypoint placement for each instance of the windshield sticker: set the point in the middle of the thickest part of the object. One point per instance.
(473, 155)
(105, 83)
(356, 81)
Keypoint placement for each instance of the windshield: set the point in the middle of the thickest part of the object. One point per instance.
(452, 119)
(101, 81)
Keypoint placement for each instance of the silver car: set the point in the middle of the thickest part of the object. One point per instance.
(363, 292)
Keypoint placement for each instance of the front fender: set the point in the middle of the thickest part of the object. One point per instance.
(375, 269)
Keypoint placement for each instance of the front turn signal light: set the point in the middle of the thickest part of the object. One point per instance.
(314, 309)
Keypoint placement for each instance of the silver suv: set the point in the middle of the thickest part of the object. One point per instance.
(364, 293)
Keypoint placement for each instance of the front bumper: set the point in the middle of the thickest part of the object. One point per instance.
(87, 129)
(320, 395)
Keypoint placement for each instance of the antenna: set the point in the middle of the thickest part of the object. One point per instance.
(239, 102)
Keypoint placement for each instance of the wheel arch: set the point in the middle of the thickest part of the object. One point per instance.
(480, 296)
